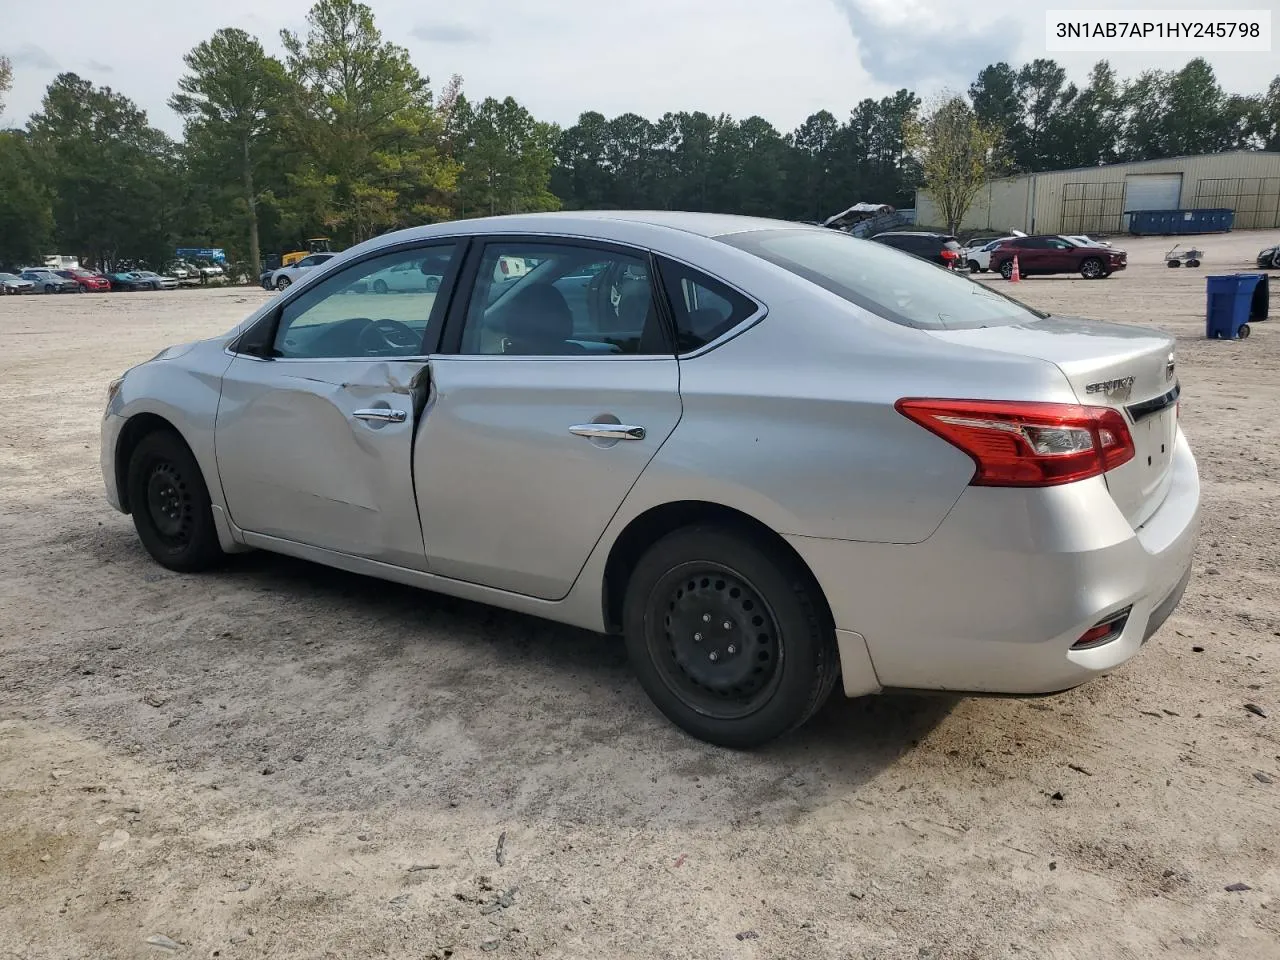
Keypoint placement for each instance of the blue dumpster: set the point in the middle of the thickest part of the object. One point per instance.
(1234, 302)
(1176, 222)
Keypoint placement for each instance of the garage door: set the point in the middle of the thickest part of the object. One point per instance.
(1153, 191)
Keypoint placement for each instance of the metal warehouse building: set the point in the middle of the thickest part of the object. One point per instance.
(1096, 199)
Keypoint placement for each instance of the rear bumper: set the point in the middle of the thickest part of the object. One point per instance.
(994, 600)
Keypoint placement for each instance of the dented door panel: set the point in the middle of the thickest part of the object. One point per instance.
(296, 462)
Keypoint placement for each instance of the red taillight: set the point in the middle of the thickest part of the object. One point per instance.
(950, 255)
(1026, 444)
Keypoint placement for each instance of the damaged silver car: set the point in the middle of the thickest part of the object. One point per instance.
(772, 456)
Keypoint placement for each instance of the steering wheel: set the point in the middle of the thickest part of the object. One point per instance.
(380, 336)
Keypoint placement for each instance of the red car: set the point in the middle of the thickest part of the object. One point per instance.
(1041, 255)
(88, 280)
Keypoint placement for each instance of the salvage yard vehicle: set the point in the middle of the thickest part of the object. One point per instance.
(149, 279)
(89, 281)
(12, 283)
(770, 455)
(46, 280)
(1054, 254)
(1269, 258)
(940, 248)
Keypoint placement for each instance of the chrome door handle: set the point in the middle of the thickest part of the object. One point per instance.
(607, 431)
(381, 415)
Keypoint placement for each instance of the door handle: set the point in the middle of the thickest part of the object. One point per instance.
(607, 431)
(381, 415)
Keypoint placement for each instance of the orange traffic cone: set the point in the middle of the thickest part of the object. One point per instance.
(1016, 276)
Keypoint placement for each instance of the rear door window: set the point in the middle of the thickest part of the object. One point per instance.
(704, 309)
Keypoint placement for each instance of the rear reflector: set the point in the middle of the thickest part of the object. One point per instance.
(1104, 631)
(1026, 444)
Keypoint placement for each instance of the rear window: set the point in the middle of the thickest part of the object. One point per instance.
(906, 290)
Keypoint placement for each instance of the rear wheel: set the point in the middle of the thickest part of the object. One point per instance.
(1092, 269)
(729, 637)
(170, 503)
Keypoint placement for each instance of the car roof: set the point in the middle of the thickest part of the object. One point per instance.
(636, 225)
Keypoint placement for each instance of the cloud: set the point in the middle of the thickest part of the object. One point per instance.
(904, 45)
(33, 58)
(447, 33)
(99, 67)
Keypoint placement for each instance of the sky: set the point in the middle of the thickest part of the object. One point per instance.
(781, 59)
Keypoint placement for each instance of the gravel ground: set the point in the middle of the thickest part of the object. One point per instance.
(282, 760)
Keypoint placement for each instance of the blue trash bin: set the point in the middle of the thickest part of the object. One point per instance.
(1233, 302)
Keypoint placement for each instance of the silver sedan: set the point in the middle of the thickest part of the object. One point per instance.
(772, 456)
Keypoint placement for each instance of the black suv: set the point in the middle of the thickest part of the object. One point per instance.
(939, 248)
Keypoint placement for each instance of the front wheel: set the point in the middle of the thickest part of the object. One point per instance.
(1006, 269)
(729, 636)
(283, 283)
(1091, 269)
(170, 504)
(973, 267)
(50, 288)
(380, 286)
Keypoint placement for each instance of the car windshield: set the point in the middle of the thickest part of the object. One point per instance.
(907, 290)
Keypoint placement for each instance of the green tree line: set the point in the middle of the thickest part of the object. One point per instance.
(345, 137)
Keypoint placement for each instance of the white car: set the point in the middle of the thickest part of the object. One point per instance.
(284, 277)
(978, 258)
(209, 270)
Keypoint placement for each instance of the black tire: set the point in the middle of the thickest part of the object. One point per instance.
(1244, 331)
(1174, 263)
(50, 288)
(973, 267)
(380, 286)
(170, 504)
(771, 669)
(1092, 269)
(1193, 263)
(283, 283)
(1006, 269)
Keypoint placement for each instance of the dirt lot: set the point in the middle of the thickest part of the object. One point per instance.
(281, 760)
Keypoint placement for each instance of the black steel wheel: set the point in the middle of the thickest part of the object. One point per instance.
(729, 636)
(170, 503)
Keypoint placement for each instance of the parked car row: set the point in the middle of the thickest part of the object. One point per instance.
(48, 280)
(1092, 259)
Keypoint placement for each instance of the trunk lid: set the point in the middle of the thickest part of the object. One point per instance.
(1130, 369)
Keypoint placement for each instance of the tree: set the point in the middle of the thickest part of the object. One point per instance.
(6, 79)
(229, 101)
(955, 150)
(115, 180)
(506, 159)
(26, 215)
(368, 140)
